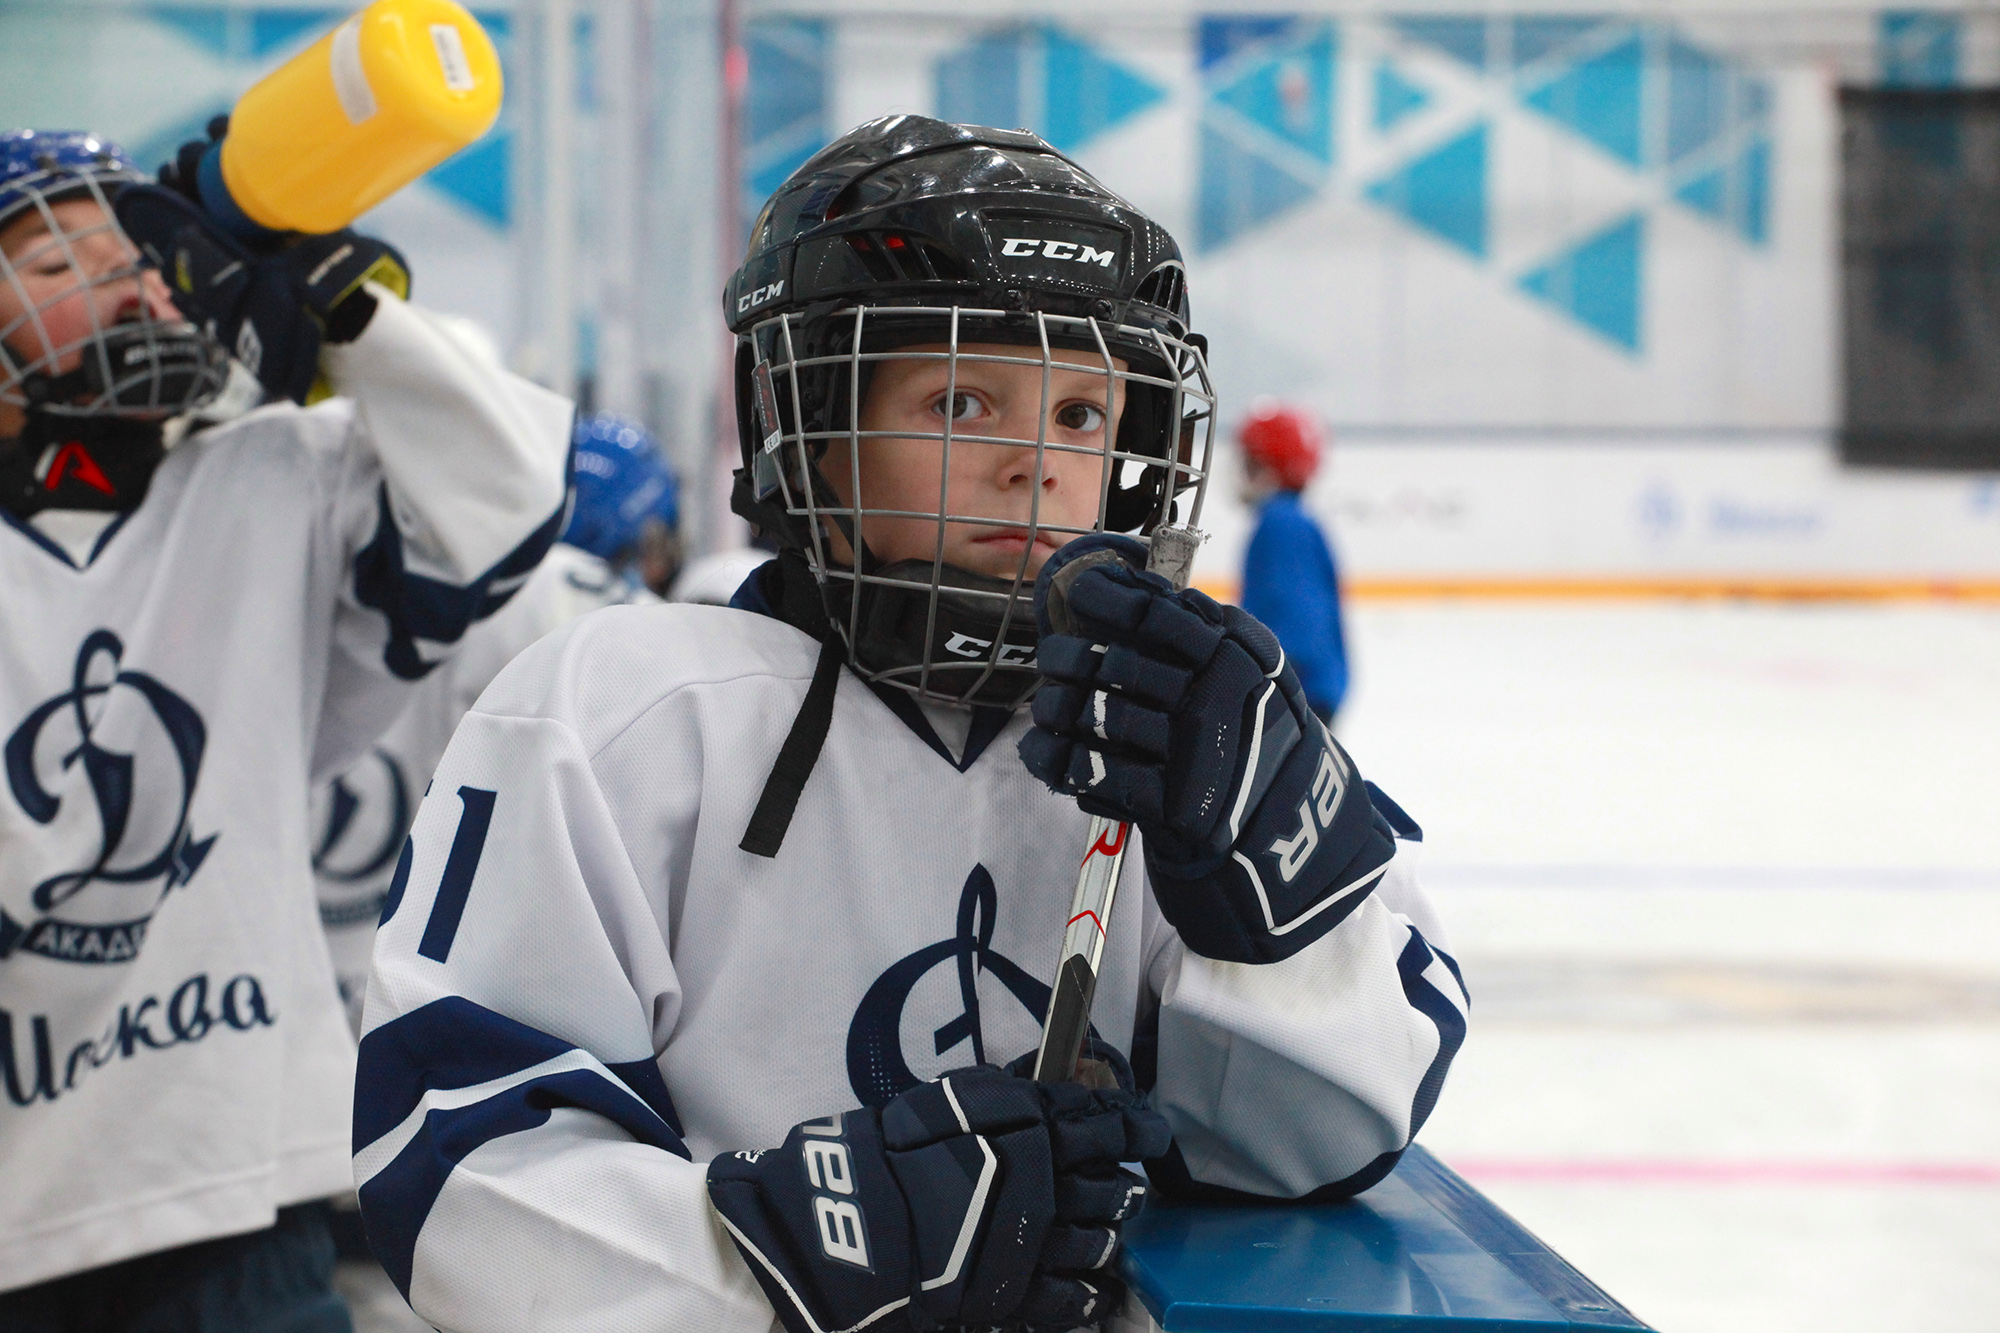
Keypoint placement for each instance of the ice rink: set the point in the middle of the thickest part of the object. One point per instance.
(1725, 881)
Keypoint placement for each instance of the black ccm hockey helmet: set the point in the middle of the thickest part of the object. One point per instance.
(910, 238)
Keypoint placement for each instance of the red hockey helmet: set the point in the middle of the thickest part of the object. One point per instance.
(1283, 438)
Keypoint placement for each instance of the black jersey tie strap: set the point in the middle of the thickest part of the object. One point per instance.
(790, 593)
(766, 833)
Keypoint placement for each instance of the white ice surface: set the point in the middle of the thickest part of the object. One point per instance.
(1732, 876)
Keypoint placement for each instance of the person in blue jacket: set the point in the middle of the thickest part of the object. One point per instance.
(1290, 581)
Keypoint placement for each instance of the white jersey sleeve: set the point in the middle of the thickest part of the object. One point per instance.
(451, 488)
(1306, 1078)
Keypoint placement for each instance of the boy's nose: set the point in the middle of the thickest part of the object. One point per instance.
(1017, 465)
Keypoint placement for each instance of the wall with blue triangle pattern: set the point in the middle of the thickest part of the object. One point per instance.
(1268, 141)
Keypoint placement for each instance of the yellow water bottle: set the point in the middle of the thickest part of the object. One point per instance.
(356, 116)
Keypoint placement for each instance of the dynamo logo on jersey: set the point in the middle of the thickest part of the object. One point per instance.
(109, 768)
(367, 813)
(878, 1068)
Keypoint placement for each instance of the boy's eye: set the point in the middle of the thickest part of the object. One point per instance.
(963, 407)
(1080, 416)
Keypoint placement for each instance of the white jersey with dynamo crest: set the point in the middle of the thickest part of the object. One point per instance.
(584, 989)
(173, 1061)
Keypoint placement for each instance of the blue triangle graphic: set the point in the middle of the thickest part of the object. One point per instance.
(274, 28)
(1537, 37)
(981, 85)
(1697, 99)
(1460, 37)
(1753, 192)
(1395, 96)
(1088, 94)
(478, 177)
(1240, 188)
(207, 26)
(1597, 281)
(787, 75)
(1599, 99)
(1444, 192)
(1707, 194)
(992, 82)
(1222, 38)
(1290, 93)
(1919, 49)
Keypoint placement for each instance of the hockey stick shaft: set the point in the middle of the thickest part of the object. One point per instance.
(1068, 1020)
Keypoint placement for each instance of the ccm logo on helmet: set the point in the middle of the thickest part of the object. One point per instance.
(751, 300)
(842, 1234)
(1021, 247)
(961, 644)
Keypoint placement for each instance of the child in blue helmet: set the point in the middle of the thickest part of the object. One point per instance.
(194, 624)
(627, 508)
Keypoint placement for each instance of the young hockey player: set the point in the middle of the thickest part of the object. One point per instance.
(1290, 581)
(189, 634)
(701, 899)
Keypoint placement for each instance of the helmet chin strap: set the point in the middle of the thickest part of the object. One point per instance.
(100, 463)
(139, 374)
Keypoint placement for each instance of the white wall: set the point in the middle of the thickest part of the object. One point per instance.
(1774, 511)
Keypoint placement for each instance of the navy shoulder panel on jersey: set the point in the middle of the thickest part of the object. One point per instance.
(420, 607)
(498, 1077)
(1429, 1001)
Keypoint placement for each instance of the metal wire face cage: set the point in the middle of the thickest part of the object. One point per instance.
(128, 364)
(921, 623)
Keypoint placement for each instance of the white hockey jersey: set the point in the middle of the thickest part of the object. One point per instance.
(361, 817)
(173, 1060)
(584, 989)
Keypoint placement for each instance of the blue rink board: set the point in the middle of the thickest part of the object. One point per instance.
(1422, 1252)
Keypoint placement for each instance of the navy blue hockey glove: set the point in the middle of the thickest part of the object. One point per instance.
(980, 1199)
(1182, 716)
(272, 301)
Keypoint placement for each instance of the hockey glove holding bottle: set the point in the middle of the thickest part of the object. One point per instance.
(1182, 716)
(979, 1199)
(272, 299)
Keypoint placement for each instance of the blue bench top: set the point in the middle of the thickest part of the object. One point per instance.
(1422, 1252)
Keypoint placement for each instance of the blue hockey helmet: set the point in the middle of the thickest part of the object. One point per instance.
(52, 164)
(142, 365)
(622, 480)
